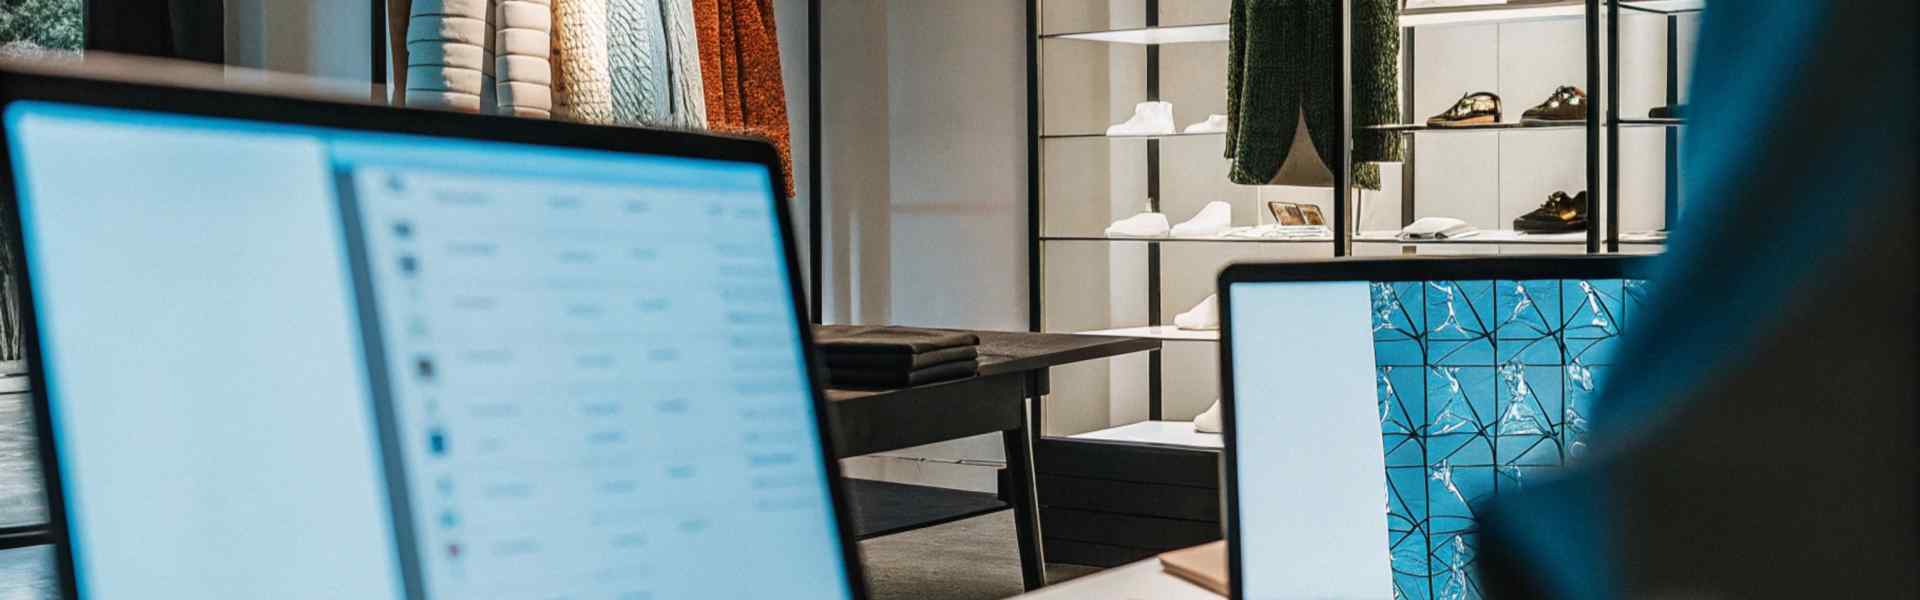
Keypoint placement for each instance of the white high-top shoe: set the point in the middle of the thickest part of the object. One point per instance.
(1149, 118)
(1146, 224)
(1204, 316)
(1213, 124)
(1209, 421)
(1213, 219)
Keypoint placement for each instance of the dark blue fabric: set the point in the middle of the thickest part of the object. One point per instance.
(1784, 314)
(1793, 117)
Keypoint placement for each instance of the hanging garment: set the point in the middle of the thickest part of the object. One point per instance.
(522, 43)
(583, 89)
(638, 62)
(1281, 78)
(689, 93)
(447, 57)
(740, 65)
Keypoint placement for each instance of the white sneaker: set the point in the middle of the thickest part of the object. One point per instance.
(1149, 118)
(1213, 219)
(1209, 421)
(1437, 228)
(1213, 124)
(1146, 224)
(1204, 316)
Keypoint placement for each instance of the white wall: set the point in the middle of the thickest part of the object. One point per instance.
(925, 168)
(956, 74)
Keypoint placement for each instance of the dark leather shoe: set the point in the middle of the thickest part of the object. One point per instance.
(1560, 214)
(1477, 108)
(1567, 105)
(1668, 112)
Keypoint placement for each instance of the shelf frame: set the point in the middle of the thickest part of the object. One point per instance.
(1150, 35)
(1601, 130)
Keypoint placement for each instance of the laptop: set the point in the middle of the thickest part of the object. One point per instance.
(285, 348)
(1371, 405)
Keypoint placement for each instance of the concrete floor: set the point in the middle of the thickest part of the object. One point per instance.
(970, 559)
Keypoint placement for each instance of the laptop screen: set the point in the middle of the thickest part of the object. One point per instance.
(298, 362)
(1370, 418)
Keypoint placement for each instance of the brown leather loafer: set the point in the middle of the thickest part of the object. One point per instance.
(1566, 106)
(1477, 108)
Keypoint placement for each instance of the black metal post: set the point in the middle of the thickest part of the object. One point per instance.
(1155, 402)
(816, 296)
(1342, 163)
(1672, 213)
(1408, 200)
(377, 53)
(1612, 96)
(1035, 287)
(1593, 120)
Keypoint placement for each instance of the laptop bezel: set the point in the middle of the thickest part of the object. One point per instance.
(86, 89)
(1373, 270)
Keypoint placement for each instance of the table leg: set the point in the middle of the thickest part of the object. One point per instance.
(1026, 505)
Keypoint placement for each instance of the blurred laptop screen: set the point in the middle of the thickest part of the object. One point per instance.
(297, 362)
(1371, 417)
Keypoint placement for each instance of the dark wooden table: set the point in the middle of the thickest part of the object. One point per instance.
(1013, 369)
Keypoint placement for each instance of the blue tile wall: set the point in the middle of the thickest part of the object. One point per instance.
(1483, 387)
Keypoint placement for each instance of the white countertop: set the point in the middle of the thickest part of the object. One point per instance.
(1164, 433)
(1142, 580)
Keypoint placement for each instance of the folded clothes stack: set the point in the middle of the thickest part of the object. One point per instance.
(886, 356)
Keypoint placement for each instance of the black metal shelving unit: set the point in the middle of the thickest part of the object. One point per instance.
(1070, 467)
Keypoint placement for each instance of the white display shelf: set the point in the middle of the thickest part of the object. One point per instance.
(1159, 433)
(1087, 136)
(1501, 127)
(1495, 236)
(1644, 238)
(1149, 36)
(1665, 7)
(1214, 239)
(1507, 127)
(1514, 10)
(1531, 10)
(1159, 332)
(1651, 122)
(1504, 236)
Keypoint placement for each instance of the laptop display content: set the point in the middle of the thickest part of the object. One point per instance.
(1369, 418)
(295, 362)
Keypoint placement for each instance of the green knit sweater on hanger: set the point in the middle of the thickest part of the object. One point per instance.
(1280, 68)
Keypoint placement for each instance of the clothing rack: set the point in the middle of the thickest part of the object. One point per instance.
(379, 63)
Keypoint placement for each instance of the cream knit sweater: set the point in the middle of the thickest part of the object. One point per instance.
(585, 88)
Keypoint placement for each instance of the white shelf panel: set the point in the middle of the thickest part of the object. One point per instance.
(1644, 237)
(1665, 6)
(1148, 36)
(1159, 332)
(1516, 10)
(1512, 237)
(1158, 433)
(1086, 136)
(1531, 10)
(1213, 239)
(1495, 236)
